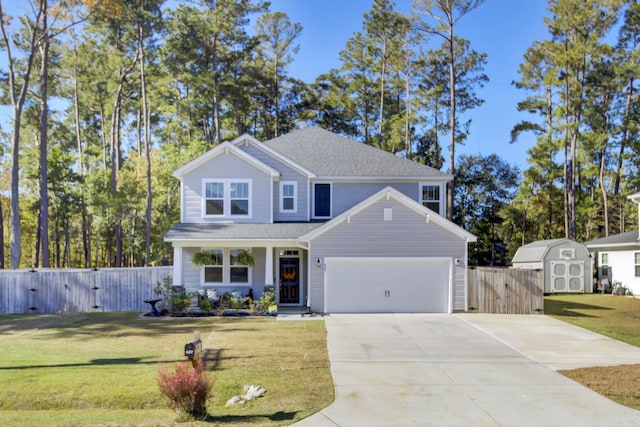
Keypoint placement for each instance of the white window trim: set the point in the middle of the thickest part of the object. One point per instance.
(226, 269)
(249, 269)
(227, 197)
(442, 193)
(313, 201)
(202, 269)
(295, 197)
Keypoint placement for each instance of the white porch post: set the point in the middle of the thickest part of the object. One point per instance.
(177, 266)
(268, 266)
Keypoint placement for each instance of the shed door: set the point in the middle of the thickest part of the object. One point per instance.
(387, 285)
(567, 276)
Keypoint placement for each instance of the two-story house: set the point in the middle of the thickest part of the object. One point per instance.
(332, 225)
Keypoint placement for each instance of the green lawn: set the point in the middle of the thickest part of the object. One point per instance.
(101, 368)
(614, 316)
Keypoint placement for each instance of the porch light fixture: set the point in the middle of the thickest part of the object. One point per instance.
(318, 262)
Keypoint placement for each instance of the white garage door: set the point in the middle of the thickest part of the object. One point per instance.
(387, 285)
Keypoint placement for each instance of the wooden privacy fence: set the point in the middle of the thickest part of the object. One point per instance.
(54, 291)
(505, 290)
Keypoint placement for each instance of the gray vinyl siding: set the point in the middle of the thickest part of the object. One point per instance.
(287, 173)
(368, 235)
(345, 195)
(227, 166)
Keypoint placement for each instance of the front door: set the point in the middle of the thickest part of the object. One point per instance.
(289, 280)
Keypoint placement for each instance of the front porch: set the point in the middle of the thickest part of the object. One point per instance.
(282, 269)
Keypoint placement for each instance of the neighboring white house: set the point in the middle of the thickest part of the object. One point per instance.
(618, 256)
(332, 224)
(567, 265)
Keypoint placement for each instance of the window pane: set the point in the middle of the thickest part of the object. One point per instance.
(605, 258)
(287, 190)
(213, 274)
(214, 190)
(216, 256)
(637, 255)
(239, 207)
(287, 204)
(430, 192)
(434, 206)
(239, 274)
(239, 190)
(215, 207)
(322, 199)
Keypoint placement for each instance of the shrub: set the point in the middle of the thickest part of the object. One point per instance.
(267, 300)
(179, 303)
(187, 389)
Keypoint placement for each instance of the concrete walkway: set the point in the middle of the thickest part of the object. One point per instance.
(466, 370)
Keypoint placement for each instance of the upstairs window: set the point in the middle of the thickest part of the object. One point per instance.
(239, 198)
(227, 198)
(288, 196)
(430, 197)
(214, 198)
(322, 200)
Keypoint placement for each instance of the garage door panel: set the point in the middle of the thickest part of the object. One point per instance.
(387, 285)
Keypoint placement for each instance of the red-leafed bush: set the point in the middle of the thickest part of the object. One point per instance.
(186, 388)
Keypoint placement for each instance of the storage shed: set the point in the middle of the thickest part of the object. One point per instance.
(566, 264)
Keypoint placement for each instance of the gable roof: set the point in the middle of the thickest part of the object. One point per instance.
(390, 192)
(249, 140)
(630, 238)
(330, 155)
(224, 148)
(536, 251)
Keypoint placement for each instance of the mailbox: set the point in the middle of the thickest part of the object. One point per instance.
(193, 351)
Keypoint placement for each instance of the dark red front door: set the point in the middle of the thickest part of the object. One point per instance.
(289, 280)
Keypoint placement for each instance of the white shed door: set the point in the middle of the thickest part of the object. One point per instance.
(387, 285)
(567, 276)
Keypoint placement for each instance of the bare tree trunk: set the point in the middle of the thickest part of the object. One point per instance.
(382, 90)
(452, 121)
(86, 245)
(147, 141)
(1, 237)
(44, 124)
(17, 103)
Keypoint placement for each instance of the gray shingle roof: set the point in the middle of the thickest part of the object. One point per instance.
(331, 155)
(628, 238)
(277, 231)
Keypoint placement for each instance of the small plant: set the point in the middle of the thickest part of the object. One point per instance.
(267, 300)
(180, 302)
(203, 258)
(206, 305)
(186, 388)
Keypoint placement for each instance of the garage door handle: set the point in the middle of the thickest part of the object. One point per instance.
(387, 293)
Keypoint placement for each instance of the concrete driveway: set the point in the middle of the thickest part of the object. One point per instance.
(466, 370)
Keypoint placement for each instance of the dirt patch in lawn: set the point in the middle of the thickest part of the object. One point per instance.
(618, 383)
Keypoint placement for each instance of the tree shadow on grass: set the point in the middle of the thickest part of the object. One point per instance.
(570, 309)
(95, 362)
(247, 419)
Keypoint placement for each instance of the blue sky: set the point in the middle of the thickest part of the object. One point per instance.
(503, 29)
